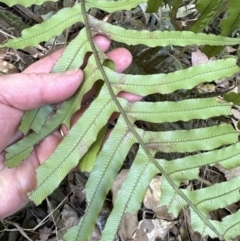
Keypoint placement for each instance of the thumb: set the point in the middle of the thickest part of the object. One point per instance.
(28, 91)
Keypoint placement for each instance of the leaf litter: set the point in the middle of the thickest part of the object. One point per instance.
(66, 205)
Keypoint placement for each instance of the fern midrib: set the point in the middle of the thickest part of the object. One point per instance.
(154, 143)
(183, 110)
(49, 127)
(214, 197)
(101, 179)
(165, 38)
(173, 82)
(70, 63)
(32, 121)
(71, 150)
(40, 34)
(231, 227)
(204, 157)
(136, 182)
(114, 98)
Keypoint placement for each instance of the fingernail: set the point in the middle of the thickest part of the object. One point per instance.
(71, 71)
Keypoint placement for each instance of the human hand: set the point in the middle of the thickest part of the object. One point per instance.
(31, 89)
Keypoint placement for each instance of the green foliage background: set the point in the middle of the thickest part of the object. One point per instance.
(215, 144)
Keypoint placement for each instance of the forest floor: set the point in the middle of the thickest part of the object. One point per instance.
(64, 208)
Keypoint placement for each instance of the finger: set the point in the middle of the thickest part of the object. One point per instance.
(102, 42)
(46, 147)
(46, 64)
(129, 96)
(121, 57)
(9, 121)
(24, 177)
(15, 183)
(28, 91)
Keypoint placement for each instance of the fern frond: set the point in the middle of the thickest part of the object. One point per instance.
(157, 38)
(25, 3)
(22, 149)
(219, 143)
(108, 164)
(229, 23)
(173, 12)
(68, 152)
(35, 119)
(113, 6)
(131, 193)
(154, 5)
(168, 83)
(208, 11)
(46, 30)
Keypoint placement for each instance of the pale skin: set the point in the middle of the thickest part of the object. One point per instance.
(31, 89)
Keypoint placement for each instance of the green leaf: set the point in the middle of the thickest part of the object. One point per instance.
(23, 151)
(154, 5)
(168, 83)
(208, 10)
(173, 12)
(182, 110)
(72, 58)
(86, 163)
(106, 168)
(183, 141)
(232, 97)
(44, 31)
(232, 19)
(230, 22)
(29, 120)
(158, 38)
(68, 152)
(132, 191)
(13, 20)
(25, 3)
(113, 6)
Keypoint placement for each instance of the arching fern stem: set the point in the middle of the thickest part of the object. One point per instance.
(131, 128)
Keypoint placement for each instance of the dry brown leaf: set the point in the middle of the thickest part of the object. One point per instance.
(229, 174)
(129, 222)
(118, 182)
(199, 58)
(152, 229)
(71, 219)
(44, 233)
(128, 226)
(96, 234)
(69, 216)
(5, 67)
(152, 198)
